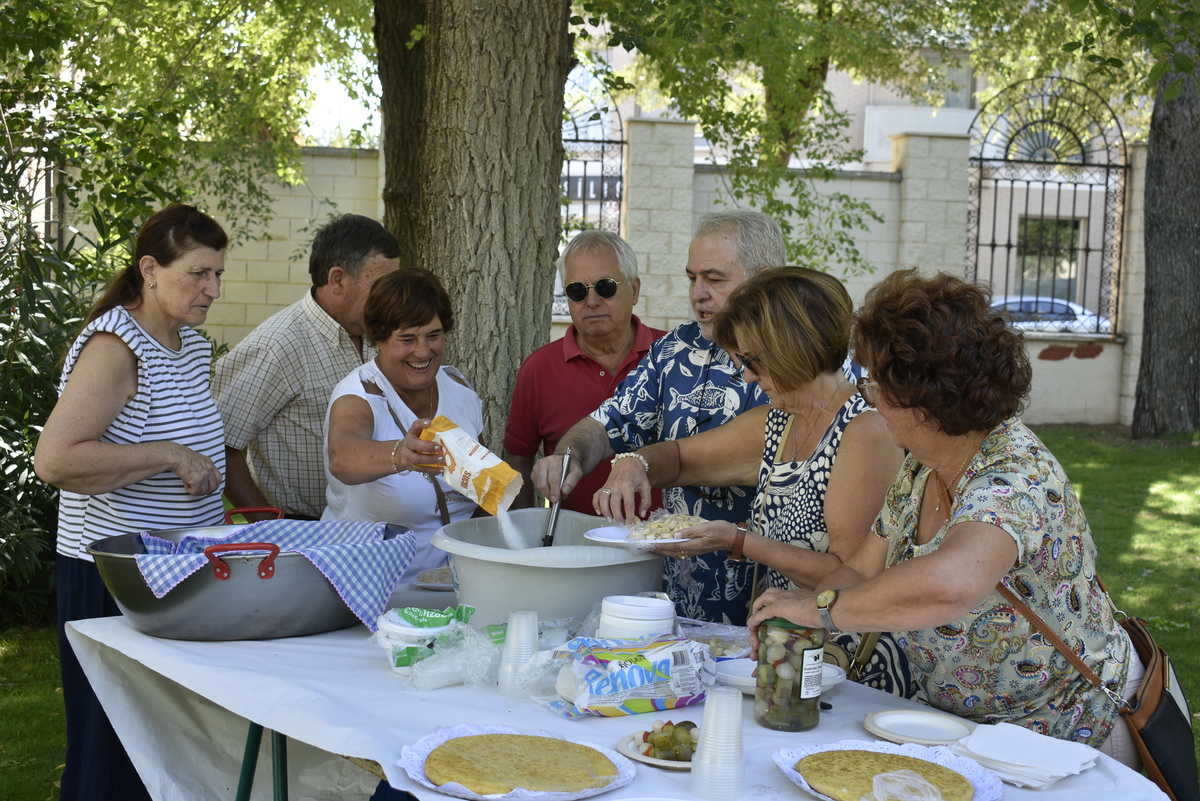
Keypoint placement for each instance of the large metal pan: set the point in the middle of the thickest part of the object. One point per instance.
(265, 595)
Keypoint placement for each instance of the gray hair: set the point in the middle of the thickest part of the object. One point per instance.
(592, 240)
(759, 237)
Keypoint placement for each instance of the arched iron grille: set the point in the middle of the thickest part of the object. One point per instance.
(593, 161)
(1046, 205)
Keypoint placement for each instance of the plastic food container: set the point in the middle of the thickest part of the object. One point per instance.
(406, 644)
(565, 580)
(790, 659)
(635, 616)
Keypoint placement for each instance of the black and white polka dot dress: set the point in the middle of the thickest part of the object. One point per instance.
(789, 507)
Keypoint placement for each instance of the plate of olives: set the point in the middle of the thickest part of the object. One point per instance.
(667, 745)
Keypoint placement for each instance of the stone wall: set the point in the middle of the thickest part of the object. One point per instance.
(270, 272)
(922, 200)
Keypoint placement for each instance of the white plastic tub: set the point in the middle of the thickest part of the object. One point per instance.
(565, 580)
(635, 616)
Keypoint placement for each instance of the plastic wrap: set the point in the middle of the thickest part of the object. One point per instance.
(659, 528)
(725, 641)
(903, 785)
(609, 678)
(430, 649)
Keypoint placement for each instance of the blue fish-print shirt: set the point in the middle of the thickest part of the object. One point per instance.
(684, 385)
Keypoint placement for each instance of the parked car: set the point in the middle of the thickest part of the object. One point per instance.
(1034, 313)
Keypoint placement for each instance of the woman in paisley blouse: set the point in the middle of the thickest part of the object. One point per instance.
(978, 502)
(821, 459)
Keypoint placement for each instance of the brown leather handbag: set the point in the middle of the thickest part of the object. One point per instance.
(1158, 715)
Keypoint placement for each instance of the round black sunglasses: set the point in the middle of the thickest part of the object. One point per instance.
(578, 291)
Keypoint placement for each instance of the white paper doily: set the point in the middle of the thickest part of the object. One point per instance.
(412, 759)
(986, 784)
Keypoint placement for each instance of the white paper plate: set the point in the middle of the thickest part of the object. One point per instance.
(737, 673)
(628, 746)
(619, 536)
(831, 676)
(412, 759)
(986, 784)
(440, 579)
(428, 585)
(917, 726)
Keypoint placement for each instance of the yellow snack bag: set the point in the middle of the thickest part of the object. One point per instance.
(472, 469)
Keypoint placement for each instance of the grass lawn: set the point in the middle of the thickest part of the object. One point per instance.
(32, 731)
(1142, 499)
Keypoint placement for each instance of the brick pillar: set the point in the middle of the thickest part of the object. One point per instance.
(933, 201)
(657, 214)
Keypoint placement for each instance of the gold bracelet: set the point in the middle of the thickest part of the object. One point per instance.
(395, 448)
(638, 456)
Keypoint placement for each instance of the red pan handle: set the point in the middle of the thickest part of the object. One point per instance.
(275, 510)
(266, 568)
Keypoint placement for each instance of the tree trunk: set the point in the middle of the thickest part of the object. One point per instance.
(491, 161)
(402, 79)
(1168, 388)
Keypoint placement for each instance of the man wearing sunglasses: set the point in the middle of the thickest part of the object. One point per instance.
(686, 384)
(568, 378)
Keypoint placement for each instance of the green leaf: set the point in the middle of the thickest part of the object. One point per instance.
(1184, 63)
(1071, 47)
(1156, 73)
(1077, 7)
(1173, 89)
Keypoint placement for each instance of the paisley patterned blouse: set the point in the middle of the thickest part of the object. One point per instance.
(991, 665)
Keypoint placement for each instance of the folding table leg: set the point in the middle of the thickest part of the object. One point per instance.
(249, 761)
(279, 765)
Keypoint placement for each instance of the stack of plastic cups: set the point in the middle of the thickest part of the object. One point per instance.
(718, 767)
(520, 643)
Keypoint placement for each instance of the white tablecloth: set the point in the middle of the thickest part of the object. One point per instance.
(182, 708)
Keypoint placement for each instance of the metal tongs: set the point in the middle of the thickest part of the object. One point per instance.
(548, 540)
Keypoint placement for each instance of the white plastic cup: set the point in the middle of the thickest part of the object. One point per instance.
(520, 643)
(718, 766)
(714, 782)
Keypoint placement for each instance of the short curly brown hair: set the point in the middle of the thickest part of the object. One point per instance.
(936, 344)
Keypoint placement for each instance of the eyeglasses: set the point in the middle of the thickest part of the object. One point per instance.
(868, 390)
(747, 361)
(578, 291)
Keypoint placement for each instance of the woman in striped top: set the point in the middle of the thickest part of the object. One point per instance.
(134, 443)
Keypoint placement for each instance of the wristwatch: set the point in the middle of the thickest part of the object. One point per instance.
(825, 601)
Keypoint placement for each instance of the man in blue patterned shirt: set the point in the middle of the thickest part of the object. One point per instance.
(686, 384)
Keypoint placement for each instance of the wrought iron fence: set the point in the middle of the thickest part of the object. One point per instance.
(1045, 211)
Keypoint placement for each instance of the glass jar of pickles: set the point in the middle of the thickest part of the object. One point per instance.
(788, 693)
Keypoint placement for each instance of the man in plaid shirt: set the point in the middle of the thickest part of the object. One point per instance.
(273, 388)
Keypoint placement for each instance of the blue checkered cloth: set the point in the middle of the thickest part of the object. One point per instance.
(361, 565)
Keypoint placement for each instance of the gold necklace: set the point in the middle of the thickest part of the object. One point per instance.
(946, 489)
(796, 443)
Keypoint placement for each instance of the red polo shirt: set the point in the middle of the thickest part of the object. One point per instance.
(559, 385)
